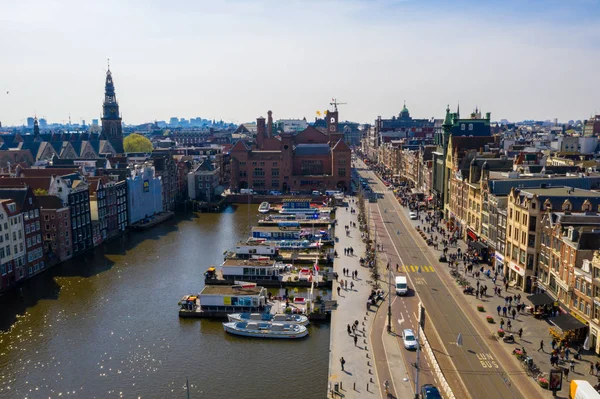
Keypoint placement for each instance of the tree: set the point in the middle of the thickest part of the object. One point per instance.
(40, 191)
(137, 143)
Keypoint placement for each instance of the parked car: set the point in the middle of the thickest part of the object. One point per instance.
(408, 337)
(413, 216)
(316, 193)
(273, 192)
(428, 391)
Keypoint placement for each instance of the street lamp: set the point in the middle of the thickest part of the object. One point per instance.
(389, 325)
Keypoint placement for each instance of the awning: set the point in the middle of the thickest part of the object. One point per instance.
(477, 245)
(540, 299)
(566, 322)
(471, 235)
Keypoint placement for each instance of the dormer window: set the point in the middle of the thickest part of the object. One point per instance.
(470, 126)
(463, 127)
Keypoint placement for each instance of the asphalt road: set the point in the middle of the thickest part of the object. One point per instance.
(471, 369)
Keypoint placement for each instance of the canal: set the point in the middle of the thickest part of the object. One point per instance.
(106, 326)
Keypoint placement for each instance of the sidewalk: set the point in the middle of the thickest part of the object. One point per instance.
(534, 330)
(358, 380)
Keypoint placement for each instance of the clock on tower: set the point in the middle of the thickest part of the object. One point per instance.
(332, 120)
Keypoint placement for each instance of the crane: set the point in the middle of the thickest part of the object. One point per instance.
(335, 103)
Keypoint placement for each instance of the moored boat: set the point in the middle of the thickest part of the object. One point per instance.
(268, 317)
(264, 207)
(265, 330)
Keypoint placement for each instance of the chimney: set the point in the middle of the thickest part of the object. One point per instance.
(260, 131)
(270, 124)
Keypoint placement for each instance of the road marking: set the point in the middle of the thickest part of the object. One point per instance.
(400, 321)
(420, 281)
(487, 361)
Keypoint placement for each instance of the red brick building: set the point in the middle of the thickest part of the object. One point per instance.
(310, 160)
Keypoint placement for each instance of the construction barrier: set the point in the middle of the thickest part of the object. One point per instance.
(436, 367)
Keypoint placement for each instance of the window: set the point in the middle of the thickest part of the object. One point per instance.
(37, 213)
(342, 172)
(470, 126)
(258, 172)
(463, 127)
(46, 217)
(275, 172)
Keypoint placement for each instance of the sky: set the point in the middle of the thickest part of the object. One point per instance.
(236, 59)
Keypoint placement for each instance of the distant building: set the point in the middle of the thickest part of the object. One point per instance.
(12, 248)
(591, 127)
(291, 125)
(30, 122)
(44, 123)
(310, 160)
(144, 193)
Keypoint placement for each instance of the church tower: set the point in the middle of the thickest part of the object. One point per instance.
(112, 128)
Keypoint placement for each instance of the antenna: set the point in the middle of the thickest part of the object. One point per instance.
(335, 103)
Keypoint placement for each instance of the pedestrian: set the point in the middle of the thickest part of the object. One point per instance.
(566, 372)
(499, 291)
(355, 340)
(514, 314)
(541, 346)
(504, 311)
(386, 385)
(346, 284)
(352, 286)
(597, 368)
(567, 353)
(553, 343)
(591, 368)
(338, 290)
(342, 362)
(502, 324)
(499, 308)
(509, 325)
(573, 365)
(520, 333)
(349, 332)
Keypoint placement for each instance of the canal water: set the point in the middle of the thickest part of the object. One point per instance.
(106, 325)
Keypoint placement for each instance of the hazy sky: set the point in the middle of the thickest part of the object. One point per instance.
(236, 59)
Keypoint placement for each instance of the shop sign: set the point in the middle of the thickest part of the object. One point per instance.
(517, 268)
(499, 257)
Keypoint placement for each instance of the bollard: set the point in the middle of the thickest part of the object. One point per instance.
(367, 387)
(367, 354)
(369, 364)
(341, 387)
(355, 386)
(370, 372)
(371, 379)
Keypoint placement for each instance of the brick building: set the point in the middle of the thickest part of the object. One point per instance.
(310, 160)
(56, 228)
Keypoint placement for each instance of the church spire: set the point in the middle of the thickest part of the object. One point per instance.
(112, 128)
(36, 128)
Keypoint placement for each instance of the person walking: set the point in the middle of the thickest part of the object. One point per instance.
(342, 362)
(349, 331)
(520, 333)
(499, 308)
(338, 290)
(386, 385)
(509, 325)
(352, 285)
(355, 340)
(514, 314)
(573, 365)
(591, 368)
(541, 346)
(566, 372)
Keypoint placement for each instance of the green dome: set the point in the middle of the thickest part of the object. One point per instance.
(404, 109)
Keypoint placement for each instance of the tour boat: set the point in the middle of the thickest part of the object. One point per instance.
(268, 317)
(265, 330)
(264, 207)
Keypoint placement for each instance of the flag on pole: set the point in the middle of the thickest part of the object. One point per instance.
(316, 267)
(319, 113)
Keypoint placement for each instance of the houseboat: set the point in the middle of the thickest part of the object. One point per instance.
(217, 301)
(283, 231)
(297, 205)
(265, 330)
(252, 249)
(264, 207)
(270, 318)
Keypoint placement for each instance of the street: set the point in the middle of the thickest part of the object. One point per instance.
(471, 369)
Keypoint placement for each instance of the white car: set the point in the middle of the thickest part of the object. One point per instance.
(413, 215)
(408, 337)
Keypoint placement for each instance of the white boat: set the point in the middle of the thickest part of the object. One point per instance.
(265, 330)
(264, 207)
(268, 317)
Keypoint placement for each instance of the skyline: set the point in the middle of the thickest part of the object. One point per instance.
(234, 60)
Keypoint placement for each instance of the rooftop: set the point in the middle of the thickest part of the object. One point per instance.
(561, 192)
(230, 290)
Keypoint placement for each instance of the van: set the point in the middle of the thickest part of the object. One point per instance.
(246, 191)
(316, 193)
(401, 285)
